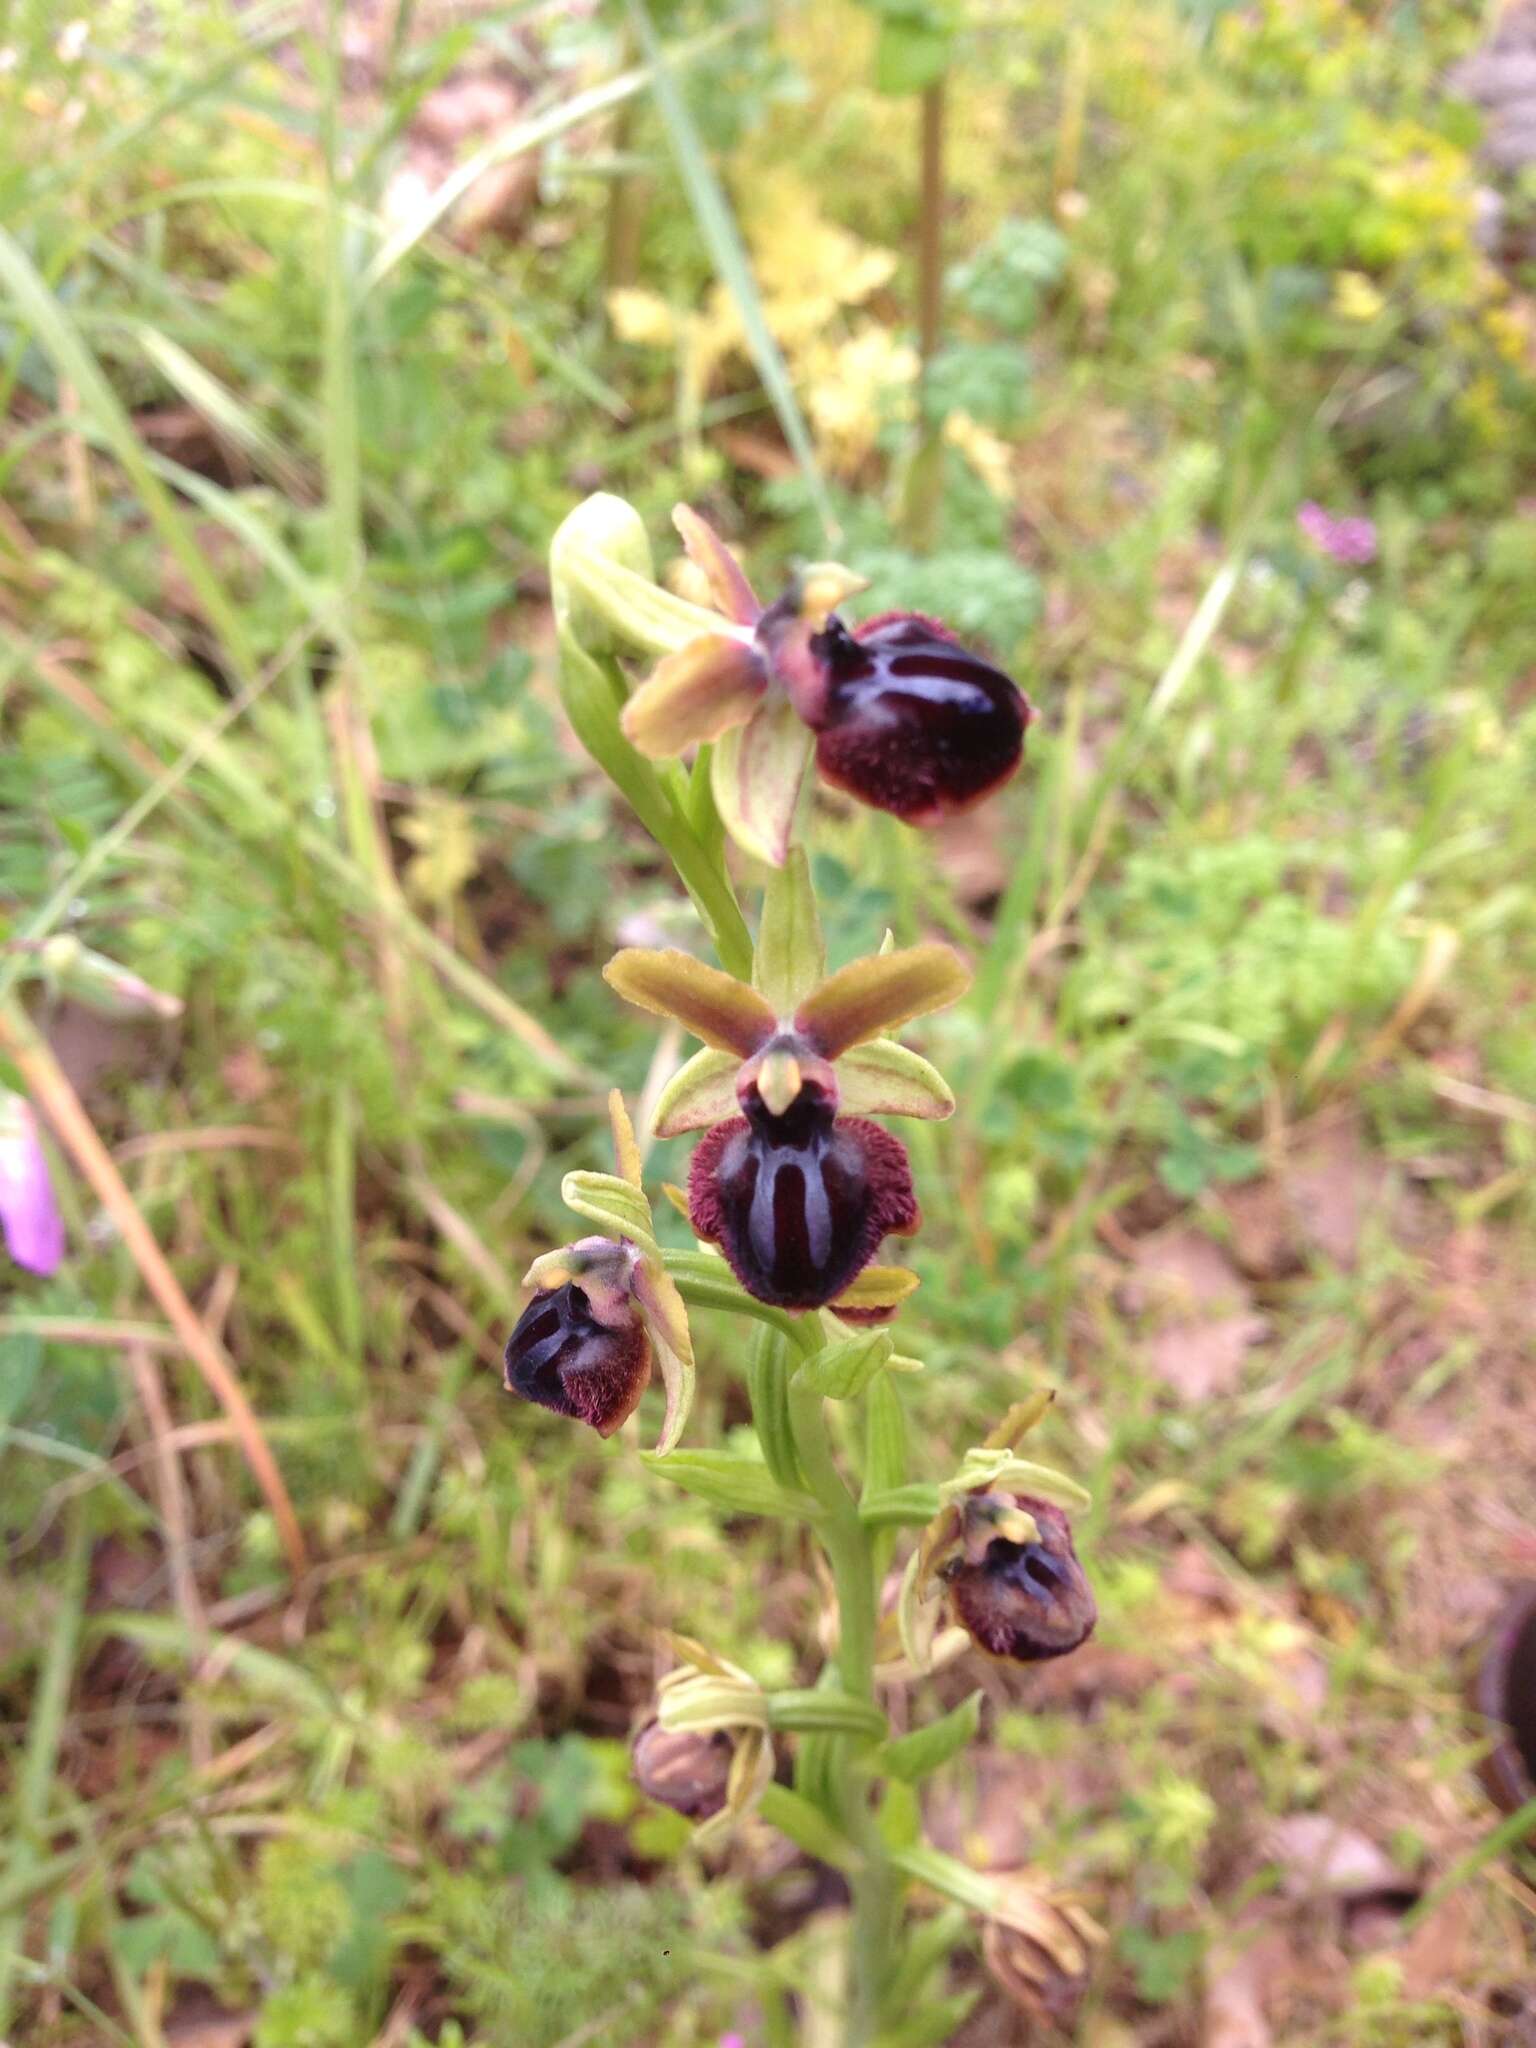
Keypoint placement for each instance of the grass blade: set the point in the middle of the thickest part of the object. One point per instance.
(733, 266)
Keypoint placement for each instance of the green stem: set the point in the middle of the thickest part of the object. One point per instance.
(873, 1883)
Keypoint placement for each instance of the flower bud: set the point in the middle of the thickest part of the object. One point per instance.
(908, 720)
(684, 1768)
(581, 1349)
(1016, 1585)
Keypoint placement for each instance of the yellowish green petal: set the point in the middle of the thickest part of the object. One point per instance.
(728, 585)
(695, 695)
(878, 1287)
(724, 1012)
(876, 994)
(625, 1151)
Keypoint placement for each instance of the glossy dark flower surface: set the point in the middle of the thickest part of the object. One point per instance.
(684, 1768)
(1025, 1600)
(562, 1356)
(908, 720)
(799, 1202)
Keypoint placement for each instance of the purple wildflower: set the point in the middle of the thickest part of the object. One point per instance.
(1350, 541)
(29, 1215)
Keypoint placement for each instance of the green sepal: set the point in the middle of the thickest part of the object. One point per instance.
(618, 1209)
(700, 1094)
(743, 1486)
(882, 1078)
(999, 1471)
(813, 1710)
(900, 1507)
(768, 1388)
(913, 1757)
(842, 1370)
(791, 956)
(602, 581)
(757, 772)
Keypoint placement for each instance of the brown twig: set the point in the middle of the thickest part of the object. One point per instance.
(51, 1091)
(171, 1494)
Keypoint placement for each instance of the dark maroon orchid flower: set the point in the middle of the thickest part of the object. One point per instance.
(1019, 1590)
(796, 1191)
(580, 1347)
(902, 716)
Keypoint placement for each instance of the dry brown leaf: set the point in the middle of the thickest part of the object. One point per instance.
(1318, 1855)
(1237, 1987)
(1198, 1360)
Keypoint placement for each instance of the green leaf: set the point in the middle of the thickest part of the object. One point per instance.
(901, 1507)
(807, 1827)
(840, 1371)
(768, 1387)
(791, 956)
(821, 1709)
(742, 1486)
(721, 236)
(912, 1757)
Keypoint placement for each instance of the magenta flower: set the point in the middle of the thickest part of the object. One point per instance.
(29, 1215)
(1350, 541)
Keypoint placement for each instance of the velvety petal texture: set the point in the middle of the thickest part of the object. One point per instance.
(910, 721)
(1020, 1595)
(564, 1358)
(798, 1203)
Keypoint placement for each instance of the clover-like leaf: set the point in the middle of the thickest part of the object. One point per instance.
(727, 580)
(694, 696)
(882, 1078)
(724, 1012)
(874, 995)
(757, 773)
(702, 1092)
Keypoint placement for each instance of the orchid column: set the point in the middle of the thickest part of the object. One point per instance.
(792, 1189)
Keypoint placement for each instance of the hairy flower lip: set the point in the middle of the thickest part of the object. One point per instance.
(566, 1356)
(910, 720)
(799, 1204)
